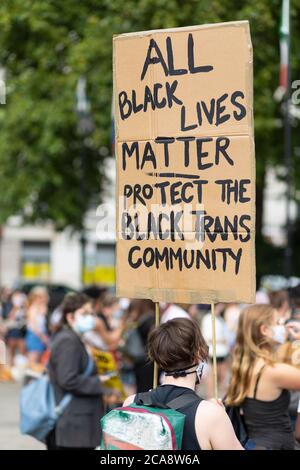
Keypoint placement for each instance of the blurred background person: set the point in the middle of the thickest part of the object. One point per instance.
(141, 320)
(232, 313)
(5, 307)
(194, 312)
(109, 326)
(170, 311)
(280, 301)
(222, 347)
(103, 342)
(36, 338)
(289, 352)
(55, 321)
(5, 301)
(78, 427)
(262, 297)
(16, 327)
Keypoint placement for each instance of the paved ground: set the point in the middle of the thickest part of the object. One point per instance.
(10, 437)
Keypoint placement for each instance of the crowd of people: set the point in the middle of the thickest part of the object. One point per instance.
(257, 349)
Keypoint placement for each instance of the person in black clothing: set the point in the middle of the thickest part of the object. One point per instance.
(108, 332)
(260, 383)
(79, 425)
(142, 313)
(179, 349)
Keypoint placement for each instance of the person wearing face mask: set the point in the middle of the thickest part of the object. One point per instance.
(16, 327)
(280, 300)
(108, 329)
(260, 384)
(180, 350)
(78, 427)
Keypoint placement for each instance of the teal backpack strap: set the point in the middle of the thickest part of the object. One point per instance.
(145, 399)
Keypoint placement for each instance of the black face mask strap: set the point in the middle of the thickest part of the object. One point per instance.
(181, 372)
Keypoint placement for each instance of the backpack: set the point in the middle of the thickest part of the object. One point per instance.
(238, 423)
(145, 425)
(134, 346)
(38, 410)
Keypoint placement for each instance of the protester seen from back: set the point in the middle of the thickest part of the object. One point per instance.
(295, 302)
(259, 384)
(179, 349)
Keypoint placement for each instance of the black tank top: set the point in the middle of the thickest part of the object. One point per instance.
(268, 423)
(166, 393)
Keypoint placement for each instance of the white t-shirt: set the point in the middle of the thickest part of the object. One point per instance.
(231, 317)
(173, 311)
(222, 335)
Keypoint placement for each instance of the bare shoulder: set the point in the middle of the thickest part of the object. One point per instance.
(210, 411)
(214, 429)
(129, 400)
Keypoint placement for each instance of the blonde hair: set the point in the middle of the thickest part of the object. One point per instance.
(251, 344)
(35, 293)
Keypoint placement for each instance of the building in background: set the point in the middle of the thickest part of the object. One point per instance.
(39, 253)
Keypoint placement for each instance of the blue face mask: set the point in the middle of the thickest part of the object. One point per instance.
(118, 314)
(84, 323)
(279, 334)
(199, 372)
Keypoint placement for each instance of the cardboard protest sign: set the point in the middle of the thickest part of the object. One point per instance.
(185, 164)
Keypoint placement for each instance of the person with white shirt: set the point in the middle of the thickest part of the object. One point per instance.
(172, 311)
(222, 346)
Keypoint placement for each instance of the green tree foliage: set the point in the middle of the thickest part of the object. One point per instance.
(46, 45)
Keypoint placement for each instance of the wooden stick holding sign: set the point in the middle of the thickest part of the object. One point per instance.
(157, 321)
(214, 350)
